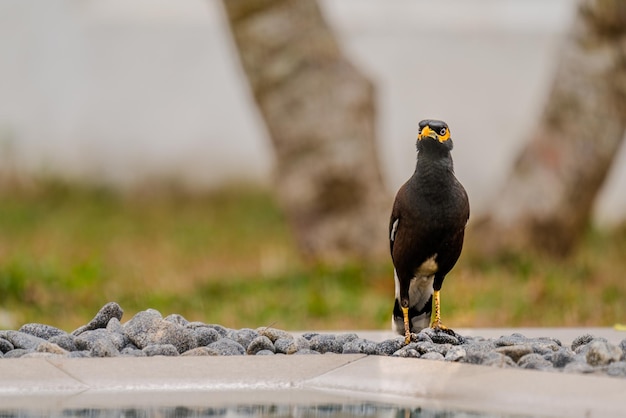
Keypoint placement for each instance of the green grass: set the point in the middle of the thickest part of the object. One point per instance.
(228, 257)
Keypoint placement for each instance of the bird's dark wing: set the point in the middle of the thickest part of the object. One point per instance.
(394, 221)
(393, 229)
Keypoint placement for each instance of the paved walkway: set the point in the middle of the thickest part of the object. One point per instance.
(222, 381)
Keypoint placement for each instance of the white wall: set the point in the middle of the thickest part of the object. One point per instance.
(129, 91)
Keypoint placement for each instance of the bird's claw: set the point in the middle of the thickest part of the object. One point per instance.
(438, 326)
(442, 329)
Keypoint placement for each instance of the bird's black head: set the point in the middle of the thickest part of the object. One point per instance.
(435, 133)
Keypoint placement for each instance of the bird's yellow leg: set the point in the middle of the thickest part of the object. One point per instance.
(407, 328)
(436, 324)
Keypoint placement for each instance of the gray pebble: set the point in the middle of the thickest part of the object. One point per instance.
(561, 358)
(286, 345)
(37, 354)
(534, 361)
(302, 343)
(578, 367)
(545, 346)
(273, 333)
(148, 328)
(498, 360)
(430, 347)
(601, 353)
(455, 353)
(260, 343)
(243, 336)
(407, 352)
(360, 346)
(388, 347)
(223, 331)
(198, 351)
(41, 330)
(325, 343)
(508, 340)
(49, 347)
(160, 350)
(305, 351)
(104, 348)
(581, 340)
(17, 353)
(132, 351)
(346, 338)
(176, 319)
(265, 353)
(131, 346)
(114, 325)
(515, 352)
(102, 318)
(117, 334)
(443, 336)
(205, 336)
(617, 369)
(22, 340)
(557, 341)
(226, 347)
(79, 354)
(423, 335)
(432, 356)
(87, 339)
(478, 353)
(141, 325)
(622, 345)
(477, 350)
(291, 345)
(64, 341)
(5, 346)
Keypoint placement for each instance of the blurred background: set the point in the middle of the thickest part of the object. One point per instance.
(136, 167)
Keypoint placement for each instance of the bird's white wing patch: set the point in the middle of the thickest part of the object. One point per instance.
(397, 282)
(394, 229)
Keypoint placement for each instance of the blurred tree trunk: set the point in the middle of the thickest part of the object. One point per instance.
(547, 201)
(319, 111)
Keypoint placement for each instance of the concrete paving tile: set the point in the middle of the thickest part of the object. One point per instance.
(28, 382)
(472, 387)
(28, 376)
(198, 373)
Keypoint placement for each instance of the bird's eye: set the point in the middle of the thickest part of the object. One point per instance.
(442, 131)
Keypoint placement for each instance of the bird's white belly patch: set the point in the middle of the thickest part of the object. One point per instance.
(420, 290)
(428, 267)
(421, 286)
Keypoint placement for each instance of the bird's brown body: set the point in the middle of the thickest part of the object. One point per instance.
(426, 229)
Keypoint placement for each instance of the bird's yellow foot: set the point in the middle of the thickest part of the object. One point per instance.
(438, 326)
(407, 327)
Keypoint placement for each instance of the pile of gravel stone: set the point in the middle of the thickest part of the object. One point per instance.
(149, 334)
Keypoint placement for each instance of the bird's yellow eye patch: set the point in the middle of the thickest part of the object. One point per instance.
(442, 135)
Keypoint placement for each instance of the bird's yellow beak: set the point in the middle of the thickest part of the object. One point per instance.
(429, 133)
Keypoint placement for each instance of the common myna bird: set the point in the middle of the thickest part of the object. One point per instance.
(426, 230)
